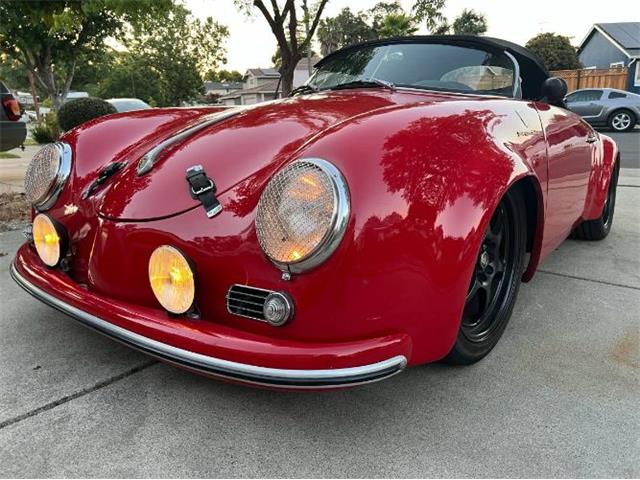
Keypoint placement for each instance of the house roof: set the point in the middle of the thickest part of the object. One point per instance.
(304, 62)
(268, 87)
(209, 85)
(624, 35)
(263, 72)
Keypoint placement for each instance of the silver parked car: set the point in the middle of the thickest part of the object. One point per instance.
(128, 104)
(617, 109)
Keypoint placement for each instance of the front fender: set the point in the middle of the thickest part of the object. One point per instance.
(602, 165)
(424, 183)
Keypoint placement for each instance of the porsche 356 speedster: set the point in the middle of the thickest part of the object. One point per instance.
(383, 215)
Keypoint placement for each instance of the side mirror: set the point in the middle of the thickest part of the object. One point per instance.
(554, 89)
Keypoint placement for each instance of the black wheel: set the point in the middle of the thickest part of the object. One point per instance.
(622, 120)
(494, 284)
(600, 227)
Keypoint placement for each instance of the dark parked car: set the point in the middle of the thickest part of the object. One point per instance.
(128, 104)
(617, 109)
(13, 131)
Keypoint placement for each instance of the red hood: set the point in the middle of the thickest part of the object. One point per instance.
(260, 137)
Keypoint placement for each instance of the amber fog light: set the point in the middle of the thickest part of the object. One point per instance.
(49, 239)
(172, 280)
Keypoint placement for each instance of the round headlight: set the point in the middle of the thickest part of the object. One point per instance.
(172, 279)
(48, 239)
(46, 175)
(303, 214)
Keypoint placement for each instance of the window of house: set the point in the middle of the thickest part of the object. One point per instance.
(617, 95)
(616, 65)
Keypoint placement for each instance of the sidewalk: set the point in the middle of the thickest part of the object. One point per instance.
(12, 170)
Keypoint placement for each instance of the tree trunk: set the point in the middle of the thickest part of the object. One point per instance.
(286, 71)
(34, 95)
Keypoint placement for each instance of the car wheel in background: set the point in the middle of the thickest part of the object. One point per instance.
(494, 284)
(622, 120)
(600, 227)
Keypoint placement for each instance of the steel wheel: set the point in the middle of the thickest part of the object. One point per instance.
(494, 283)
(492, 275)
(610, 202)
(599, 228)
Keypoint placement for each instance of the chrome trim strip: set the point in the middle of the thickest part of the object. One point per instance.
(64, 170)
(516, 85)
(273, 377)
(148, 160)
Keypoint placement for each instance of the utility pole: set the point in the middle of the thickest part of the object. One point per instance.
(307, 19)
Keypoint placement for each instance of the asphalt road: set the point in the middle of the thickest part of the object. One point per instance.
(558, 397)
(629, 145)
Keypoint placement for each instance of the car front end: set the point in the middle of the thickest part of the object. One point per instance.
(221, 296)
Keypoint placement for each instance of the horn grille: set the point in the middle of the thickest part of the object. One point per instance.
(247, 301)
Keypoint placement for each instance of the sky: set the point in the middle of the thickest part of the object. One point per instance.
(251, 43)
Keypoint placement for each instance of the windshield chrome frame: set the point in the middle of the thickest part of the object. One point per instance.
(516, 86)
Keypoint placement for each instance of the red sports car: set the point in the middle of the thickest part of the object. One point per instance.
(384, 215)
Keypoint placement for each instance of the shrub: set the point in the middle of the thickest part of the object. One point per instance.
(47, 130)
(76, 112)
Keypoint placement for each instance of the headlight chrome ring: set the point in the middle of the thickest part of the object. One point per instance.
(303, 214)
(46, 175)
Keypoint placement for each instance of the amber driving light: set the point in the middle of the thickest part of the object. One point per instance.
(302, 214)
(172, 280)
(48, 239)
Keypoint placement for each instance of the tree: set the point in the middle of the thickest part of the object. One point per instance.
(429, 12)
(132, 76)
(344, 29)
(282, 17)
(224, 76)
(470, 22)
(175, 50)
(397, 25)
(49, 37)
(380, 11)
(276, 58)
(13, 73)
(555, 51)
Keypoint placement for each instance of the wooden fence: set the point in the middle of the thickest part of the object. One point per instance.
(594, 78)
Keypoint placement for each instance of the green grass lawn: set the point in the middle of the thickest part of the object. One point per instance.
(9, 155)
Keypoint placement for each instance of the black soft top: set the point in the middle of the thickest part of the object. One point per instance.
(532, 71)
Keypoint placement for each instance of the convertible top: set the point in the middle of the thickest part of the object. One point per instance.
(532, 71)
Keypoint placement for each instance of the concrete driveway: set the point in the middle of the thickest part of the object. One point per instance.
(558, 396)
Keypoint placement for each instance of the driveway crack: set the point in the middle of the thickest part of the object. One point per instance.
(602, 282)
(78, 394)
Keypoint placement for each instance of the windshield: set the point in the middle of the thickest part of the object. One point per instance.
(429, 66)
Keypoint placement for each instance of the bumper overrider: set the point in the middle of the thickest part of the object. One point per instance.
(213, 349)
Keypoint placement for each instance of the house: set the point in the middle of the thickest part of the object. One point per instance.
(221, 88)
(261, 84)
(610, 45)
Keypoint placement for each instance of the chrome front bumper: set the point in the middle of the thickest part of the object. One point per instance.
(234, 371)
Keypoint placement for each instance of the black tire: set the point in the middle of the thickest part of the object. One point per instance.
(494, 284)
(622, 120)
(600, 227)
